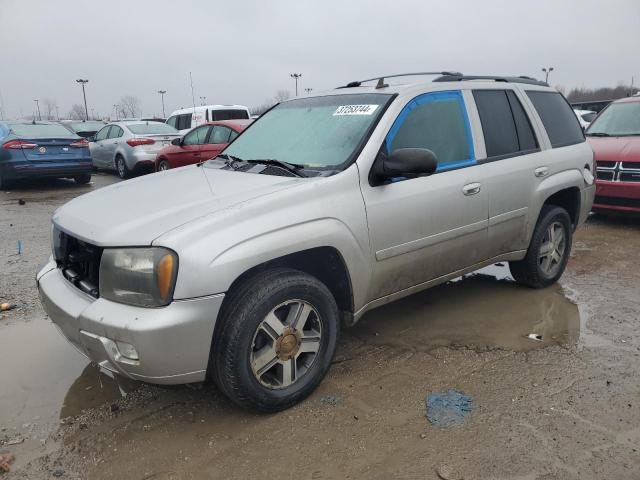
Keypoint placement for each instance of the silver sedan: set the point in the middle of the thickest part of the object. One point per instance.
(130, 146)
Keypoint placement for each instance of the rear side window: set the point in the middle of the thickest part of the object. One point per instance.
(183, 121)
(505, 125)
(559, 121)
(438, 122)
(231, 114)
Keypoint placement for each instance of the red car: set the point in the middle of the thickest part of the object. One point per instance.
(201, 143)
(615, 138)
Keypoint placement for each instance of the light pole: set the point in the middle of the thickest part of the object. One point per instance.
(38, 109)
(308, 90)
(86, 110)
(162, 92)
(202, 100)
(296, 76)
(547, 71)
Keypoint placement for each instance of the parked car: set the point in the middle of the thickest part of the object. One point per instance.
(201, 143)
(187, 118)
(42, 149)
(585, 117)
(615, 138)
(241, 269)
(130, 146)
(84, 129)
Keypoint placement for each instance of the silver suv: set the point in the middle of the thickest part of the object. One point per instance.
(242, 268)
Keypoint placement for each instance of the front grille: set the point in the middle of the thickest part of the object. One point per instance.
(629, 176)
(79, 262)
(630, 165)
(604, 175)
(617, 201)
(605, 164)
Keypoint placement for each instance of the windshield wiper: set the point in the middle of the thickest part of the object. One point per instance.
(289, 167)
(597, 134)
(229, 159)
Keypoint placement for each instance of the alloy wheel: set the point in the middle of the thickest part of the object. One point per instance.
(552, 249)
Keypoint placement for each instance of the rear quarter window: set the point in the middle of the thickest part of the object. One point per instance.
(559, 121)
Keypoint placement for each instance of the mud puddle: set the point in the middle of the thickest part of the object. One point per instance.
(483, 310)
(43, 381)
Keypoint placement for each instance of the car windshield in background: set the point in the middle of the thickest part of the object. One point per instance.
(588, 117)
(317, 132)
(618, 119)
(152, 128)
(85, 126)
(41, 130)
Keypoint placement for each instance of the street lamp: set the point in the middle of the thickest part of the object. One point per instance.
(296, 76)
(308, 90)
(86, 110)
(162, 92)
(37, 109)
(547, 71)
(202, 100)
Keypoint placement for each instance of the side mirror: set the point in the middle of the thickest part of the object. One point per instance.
(405, 162)
(176, 141)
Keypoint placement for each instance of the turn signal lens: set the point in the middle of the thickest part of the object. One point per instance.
(165, 275)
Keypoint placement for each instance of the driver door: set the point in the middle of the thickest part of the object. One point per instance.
(190, 151)
(427, 227)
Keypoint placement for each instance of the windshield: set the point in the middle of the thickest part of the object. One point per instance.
(316, 133)
(152, 128)
(617, 119)
(41, 130)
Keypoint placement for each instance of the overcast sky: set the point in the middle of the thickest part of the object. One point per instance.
(244, 51)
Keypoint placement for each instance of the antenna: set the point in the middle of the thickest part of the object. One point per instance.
(193, 97)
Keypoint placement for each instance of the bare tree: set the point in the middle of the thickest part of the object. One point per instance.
(605, 93)
(49, 108)
(130, 106)
(282, 95)
(76, 112)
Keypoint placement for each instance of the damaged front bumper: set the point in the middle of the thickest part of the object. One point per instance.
(171, 343)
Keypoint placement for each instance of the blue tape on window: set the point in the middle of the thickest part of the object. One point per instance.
(430, 98)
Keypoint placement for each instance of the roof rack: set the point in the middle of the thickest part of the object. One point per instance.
(381, 83)
(459, 77)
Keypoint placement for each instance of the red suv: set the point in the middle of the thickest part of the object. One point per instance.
(615, 138)
(201, 143)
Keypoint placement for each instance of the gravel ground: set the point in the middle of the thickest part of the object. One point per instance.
(567, 407)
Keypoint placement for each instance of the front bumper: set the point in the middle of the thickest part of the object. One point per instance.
(172, 342)
(617, 196)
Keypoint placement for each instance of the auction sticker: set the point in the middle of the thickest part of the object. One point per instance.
(355, 110)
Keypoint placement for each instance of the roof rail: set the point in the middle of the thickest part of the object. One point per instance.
(520, 79)
(381, 83)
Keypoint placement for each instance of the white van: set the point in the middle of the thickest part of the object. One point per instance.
(187, 118)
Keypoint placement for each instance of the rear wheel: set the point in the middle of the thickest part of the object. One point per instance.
(276, 340)
(121, 168)
(4, 183)
(82, 179)
(163, 165)
(548, 251)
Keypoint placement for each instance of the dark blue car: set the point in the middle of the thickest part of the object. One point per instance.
(42, 149)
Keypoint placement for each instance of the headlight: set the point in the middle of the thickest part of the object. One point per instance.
(144, 277)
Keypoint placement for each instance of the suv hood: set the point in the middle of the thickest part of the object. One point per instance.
(617, 149)
(135, 212)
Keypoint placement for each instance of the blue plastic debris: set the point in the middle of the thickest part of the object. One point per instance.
(448, 408)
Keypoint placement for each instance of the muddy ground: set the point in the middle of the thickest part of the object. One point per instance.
(567, 407)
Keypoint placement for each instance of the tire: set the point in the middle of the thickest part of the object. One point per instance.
(4, 183)
(540, 268)
(243, 343)
(82, 179)
(163, 165)
(121, 168)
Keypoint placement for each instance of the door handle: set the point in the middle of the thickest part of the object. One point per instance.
(471, 189)
(541, 172)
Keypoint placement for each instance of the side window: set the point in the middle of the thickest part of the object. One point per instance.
(220, 134)
(173, 121)
(184, 121)
(436, 121)
(195, 137)
(116, 132)
(103, 133)
(559, 121)
(505, 124)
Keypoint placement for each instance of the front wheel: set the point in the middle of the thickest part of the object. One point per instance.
(548, 251)
(82, 179)
(276, 340)
(163, 165)
(121, 168)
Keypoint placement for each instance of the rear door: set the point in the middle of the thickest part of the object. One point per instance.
(511, 151)
(217, 140)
